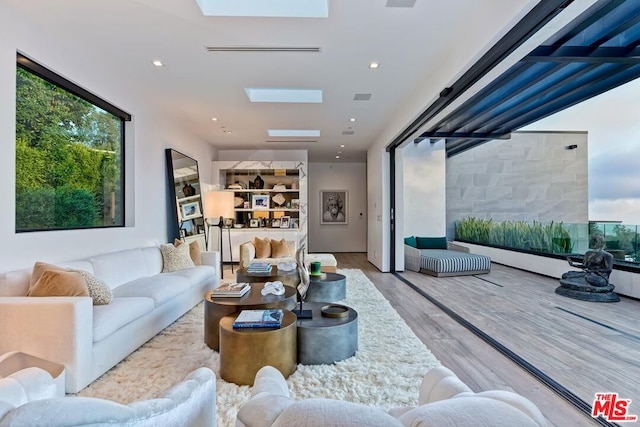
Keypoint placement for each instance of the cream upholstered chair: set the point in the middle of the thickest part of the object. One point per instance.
(443, 400)
(28, 398)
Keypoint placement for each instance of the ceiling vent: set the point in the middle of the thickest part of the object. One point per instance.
(262, 49)
(347, 132)
(400, 3)
(298, 141)
(362, 97)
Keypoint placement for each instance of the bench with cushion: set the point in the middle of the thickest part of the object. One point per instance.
(437, 257)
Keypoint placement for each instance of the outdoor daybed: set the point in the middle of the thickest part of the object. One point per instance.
(437, 257)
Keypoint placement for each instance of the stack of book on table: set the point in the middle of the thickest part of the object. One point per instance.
(259, 267)
(231, 290)
(267, 318)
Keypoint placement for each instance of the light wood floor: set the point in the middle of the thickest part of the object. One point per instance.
(557, 335)
(586, 347)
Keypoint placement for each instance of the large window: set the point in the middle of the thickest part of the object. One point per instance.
(69, 154)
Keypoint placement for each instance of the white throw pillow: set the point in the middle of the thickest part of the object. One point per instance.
(175, 258)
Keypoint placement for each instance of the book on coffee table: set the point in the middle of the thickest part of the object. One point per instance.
(259, 267)
(267, 318)
(230, 290)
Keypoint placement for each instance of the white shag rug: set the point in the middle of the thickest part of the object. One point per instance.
(386, 370)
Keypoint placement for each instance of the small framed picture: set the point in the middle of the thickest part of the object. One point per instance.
(190, 210)
(285, 222)
(295, 223)
(275, 223)
(259, 201)
(295, 203)
(254, 223)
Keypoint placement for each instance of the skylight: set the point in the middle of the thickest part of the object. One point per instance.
(311, 133)
(272, 8)
(313, 96)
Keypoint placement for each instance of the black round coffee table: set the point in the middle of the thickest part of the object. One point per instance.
(330, 287)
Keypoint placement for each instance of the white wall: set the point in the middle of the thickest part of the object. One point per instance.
(148, 135)
(350, 237)
(283, 155)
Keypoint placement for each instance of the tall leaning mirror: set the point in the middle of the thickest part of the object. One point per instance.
(185, 219)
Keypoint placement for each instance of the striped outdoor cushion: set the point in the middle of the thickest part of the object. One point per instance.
(446, 261)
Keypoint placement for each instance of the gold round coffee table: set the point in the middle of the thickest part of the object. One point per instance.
(244, 351)
(216, 308)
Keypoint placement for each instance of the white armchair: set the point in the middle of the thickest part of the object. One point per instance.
(27, 398)
(443, 400)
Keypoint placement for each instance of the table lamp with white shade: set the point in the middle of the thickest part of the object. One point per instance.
(219, 204)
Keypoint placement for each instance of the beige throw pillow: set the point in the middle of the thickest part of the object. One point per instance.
(55, 283)
(175, 258)
(99, 291)
(263, 247)
(194, 251)
(280, 249)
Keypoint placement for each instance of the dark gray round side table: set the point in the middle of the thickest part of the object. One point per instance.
(325, 340)
(331, 288)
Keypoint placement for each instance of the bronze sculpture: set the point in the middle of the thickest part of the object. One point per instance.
(592, 282)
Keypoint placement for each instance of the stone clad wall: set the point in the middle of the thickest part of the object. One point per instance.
(532, 176)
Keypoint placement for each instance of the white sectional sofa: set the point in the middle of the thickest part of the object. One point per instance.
(89, 340)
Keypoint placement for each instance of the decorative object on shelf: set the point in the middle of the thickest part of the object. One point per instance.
(188, 190)
(254, 223)
(235, 186)
(279, 199)
(238, 202)
(295, 203)
(295, 184)
(247, 204)
(285, 222)
(219, 204)
(279, 187)
(238, 225)
(258, 183)
(259, 201)
(275, 223)
(333, 204)
(295, 223)
(190, 210)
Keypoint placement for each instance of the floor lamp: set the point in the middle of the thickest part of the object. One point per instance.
(219, 204)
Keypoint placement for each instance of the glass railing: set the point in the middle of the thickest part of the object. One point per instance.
(556, 238)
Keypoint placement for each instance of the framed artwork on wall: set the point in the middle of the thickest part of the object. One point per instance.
(333, 207)
(259, 201)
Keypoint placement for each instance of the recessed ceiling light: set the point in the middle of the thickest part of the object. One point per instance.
(337, 157)
(374, 65)
(281, 8)
(215, 119)
(341, 145)
(313, 96)
(226, 131)
(310, 133)
(352, 119)
(157, 63)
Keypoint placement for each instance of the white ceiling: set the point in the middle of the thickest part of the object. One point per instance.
(420, 49)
